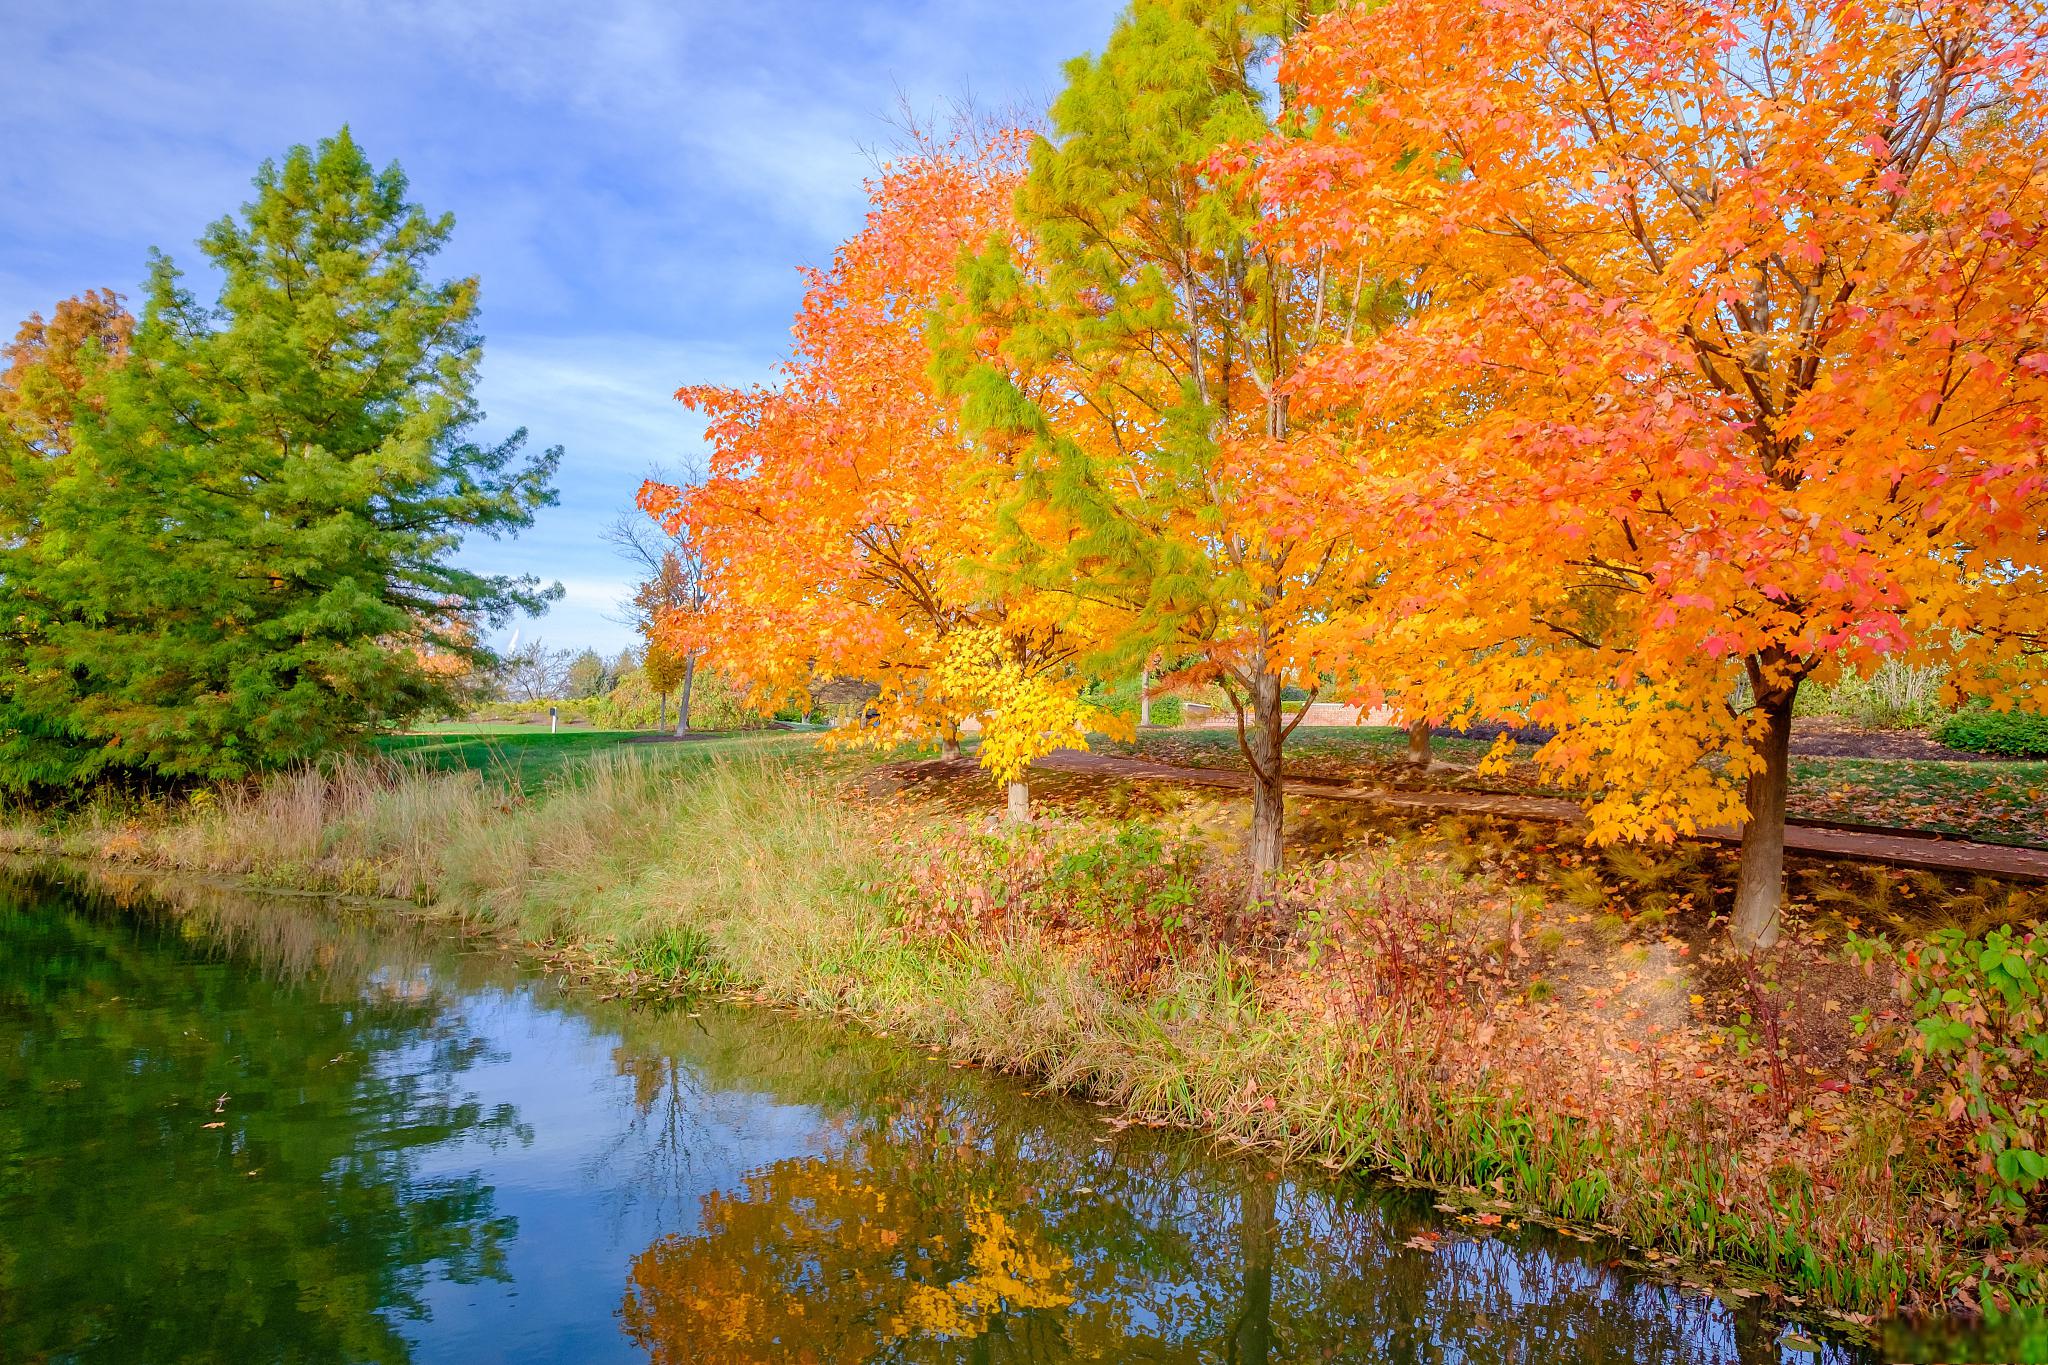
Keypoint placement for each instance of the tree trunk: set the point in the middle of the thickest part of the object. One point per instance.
(683, 701)
(1251, 1340)
(1756, 1336)
(949, 741)
(1020, 803)
(663, 723)
(1760, 880)
(1144, 697)
(1418, 742)
(1261, 739)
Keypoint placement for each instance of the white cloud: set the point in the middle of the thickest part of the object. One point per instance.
(610, 400)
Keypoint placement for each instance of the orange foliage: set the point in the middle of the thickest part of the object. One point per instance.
(49, 364)
(835, 1256)
(1727, 368)
(838, 535)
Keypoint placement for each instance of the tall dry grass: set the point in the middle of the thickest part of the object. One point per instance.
(629, 845)
(362, 826)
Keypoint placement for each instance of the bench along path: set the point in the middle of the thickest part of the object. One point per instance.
(1901, 848)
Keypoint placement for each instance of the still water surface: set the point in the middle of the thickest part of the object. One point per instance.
(244, 1131)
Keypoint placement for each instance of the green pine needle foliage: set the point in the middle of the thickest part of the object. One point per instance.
(242, 553)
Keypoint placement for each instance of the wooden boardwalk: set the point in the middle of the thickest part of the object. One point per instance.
(1900, 848)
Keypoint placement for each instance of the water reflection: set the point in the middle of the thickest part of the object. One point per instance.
(189, 1148)
(241, 1133)
(897, 1228)
(930, 1226)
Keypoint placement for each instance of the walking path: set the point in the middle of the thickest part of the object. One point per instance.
(1901, 848)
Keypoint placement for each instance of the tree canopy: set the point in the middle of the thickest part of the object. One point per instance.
(839, 530)
(234, 537)
(1615, 369)
(1728, 374)
(1126, 359)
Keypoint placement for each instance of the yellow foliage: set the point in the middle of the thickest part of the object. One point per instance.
(1025, 712)
(1010, 1273)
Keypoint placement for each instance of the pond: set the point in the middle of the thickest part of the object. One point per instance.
(248, 1130)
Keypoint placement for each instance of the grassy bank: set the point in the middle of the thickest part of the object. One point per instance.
(1398, 1009)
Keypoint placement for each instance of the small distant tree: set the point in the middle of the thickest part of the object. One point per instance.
(666, 671)
(53, 367)
(624, 665)
(588, 676)
(533, 672)
(672, 585)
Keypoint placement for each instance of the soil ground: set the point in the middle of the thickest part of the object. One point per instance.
(1823, 737)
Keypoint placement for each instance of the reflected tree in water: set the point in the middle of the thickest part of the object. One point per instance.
(936, 1226)
(888, 1243)
(204, 1162)
(654, 1157)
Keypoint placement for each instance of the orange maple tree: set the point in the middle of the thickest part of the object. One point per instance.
(839, 533)
(1728, 371)
(50, 363)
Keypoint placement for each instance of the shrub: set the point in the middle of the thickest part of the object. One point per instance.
(1981, 730)
(1896, 696)
(1134, 897)
(1121, 700)
(1980, 1028)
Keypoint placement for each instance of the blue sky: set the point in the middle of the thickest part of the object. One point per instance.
(634, 181)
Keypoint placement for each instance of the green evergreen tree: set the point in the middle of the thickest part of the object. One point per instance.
(588, 676)
(53, 369)
(245, 557)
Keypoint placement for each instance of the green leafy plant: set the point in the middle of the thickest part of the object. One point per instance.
(1131, 875)
(683, 954)
(1981, 730)
(1979, 1026)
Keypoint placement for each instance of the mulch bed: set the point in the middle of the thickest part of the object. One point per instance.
(1820, 737)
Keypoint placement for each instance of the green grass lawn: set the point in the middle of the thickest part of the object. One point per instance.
(532, 757)
(503, 727)
(2004, 803)
(1996, 802)
(528, 756)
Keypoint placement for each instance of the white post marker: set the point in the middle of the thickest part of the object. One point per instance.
(554, 721)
